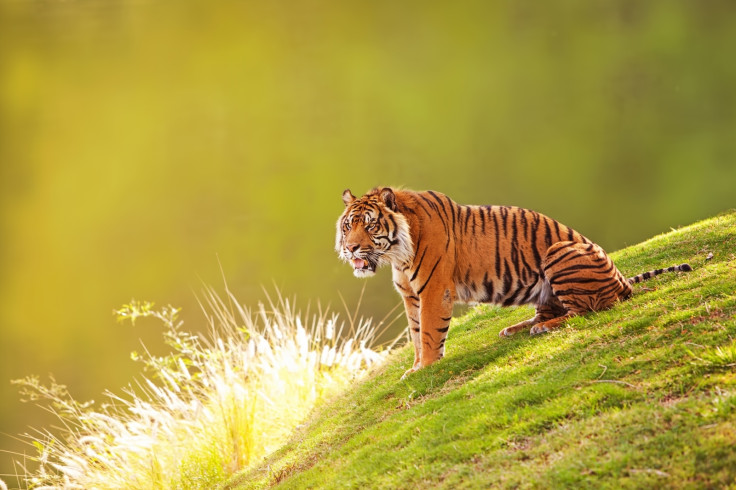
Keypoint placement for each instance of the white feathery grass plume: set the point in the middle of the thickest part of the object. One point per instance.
(217, 404)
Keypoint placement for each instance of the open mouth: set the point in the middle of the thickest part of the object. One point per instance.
(363, 265)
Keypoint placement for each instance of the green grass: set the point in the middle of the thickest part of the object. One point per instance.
(639, 396)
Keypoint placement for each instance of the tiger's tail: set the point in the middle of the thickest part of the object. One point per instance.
(650, 274)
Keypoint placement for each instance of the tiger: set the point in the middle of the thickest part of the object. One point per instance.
(442, 252)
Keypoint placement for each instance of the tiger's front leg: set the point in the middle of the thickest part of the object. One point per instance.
(435, 313)
(411, 306)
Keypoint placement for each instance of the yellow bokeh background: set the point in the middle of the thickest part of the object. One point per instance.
(145, 143)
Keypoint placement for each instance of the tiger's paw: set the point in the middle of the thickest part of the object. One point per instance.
(409, 371)
(506, 332)
(538, 329)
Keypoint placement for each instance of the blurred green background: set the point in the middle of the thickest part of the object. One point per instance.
(141, 141)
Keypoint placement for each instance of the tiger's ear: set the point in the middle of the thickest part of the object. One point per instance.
(389, 198)
(347, 197)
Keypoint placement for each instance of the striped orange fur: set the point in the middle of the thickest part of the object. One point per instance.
(442, 252)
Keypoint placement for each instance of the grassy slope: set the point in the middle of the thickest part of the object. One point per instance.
(614, 399)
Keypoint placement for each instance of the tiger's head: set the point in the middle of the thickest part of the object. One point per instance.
(372, 232)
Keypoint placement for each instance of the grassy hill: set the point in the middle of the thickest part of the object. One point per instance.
(639, 396)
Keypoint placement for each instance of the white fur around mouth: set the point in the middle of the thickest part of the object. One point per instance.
(363, 272)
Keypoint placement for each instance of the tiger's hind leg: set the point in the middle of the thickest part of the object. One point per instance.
(583, 279)
(509, 331)
(545, 312)
(550, 325)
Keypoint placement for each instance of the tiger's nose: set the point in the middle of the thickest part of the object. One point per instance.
(352, 247)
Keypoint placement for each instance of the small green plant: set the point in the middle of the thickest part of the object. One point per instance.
(718, 357)
(217, 404)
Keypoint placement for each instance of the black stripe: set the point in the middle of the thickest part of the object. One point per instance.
(547, 234)
(515, 245)
(511, 299)
(498, 251)
(432, 204)
(605, 269)
(404, 209)
(488, 285)
(442, 205)
(526, 270)
(587, 280)
(572, 291)
(396, 227)
(558, 259)
(443, 330)
(533, 239)
(416, 245)
(446, 319)
(376, 238)
(611, 288)
(581, 267)
(416, 271)
(458, 209)
(430, 276)
(507, 279)
(439, 215)
(423, 207)
(524, 222)
(573, 277)
(453, 207)
(515, 260)
(504, 217)
(525, 299)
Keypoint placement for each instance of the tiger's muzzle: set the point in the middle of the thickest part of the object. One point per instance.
(363, 266)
